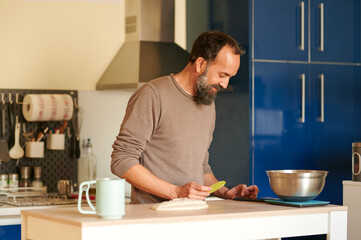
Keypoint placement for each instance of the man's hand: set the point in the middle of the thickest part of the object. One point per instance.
(242, 191)
(193, 190)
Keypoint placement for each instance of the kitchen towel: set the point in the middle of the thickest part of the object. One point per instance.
(47, 107)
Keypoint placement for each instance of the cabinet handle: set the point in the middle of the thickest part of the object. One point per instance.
(321, 47)
(302, 27)
(303, 97)
(357, 170)
(322, 98)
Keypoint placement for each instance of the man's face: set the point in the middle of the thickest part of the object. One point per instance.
(216, 75)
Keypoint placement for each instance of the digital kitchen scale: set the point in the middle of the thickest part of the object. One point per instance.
(277, 201)
(311, 203)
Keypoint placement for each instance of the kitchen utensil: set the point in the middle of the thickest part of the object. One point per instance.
(311, 203)
(297, 185)
(25, 177)
(65, 187)
(217, 186)
(76, 130)
(277, 201)
(63, 127)
(37, 182)
(4, 148)
(11, 123)
(356, 158)
(37, 172)
(25, 172)
(110, 201)
(16, 152)
(42, 134)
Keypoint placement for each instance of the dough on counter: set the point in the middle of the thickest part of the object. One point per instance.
(180, 204)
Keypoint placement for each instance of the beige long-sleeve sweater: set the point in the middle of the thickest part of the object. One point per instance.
(168, 132)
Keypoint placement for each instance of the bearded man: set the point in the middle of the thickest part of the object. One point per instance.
(162, 146)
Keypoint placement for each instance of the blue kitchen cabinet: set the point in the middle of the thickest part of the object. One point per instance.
(322, 140)
(339, 38)
(282, 30)
(281, 137)
(278, 27)
(331, 120)
(10, 232)
(335, 123)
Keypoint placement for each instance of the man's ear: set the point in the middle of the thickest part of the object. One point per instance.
(201, 65)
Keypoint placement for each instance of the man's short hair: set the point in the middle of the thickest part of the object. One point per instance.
(208, 44)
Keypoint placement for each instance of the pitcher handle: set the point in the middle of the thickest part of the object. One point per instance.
(86, 189)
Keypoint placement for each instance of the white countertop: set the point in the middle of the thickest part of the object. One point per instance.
(350, 182)
(255, 220)
(11, 215)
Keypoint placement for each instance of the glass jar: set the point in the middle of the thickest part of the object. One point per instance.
(3, 180)
(13, 180)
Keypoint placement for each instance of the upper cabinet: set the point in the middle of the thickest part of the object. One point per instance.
(280, 31)
(313, 30)
(335, 31)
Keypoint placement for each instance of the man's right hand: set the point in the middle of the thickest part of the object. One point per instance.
(193, 190)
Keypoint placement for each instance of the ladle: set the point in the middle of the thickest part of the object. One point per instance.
(16, 152)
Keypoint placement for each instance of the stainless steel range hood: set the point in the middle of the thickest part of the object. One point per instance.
(149, 50)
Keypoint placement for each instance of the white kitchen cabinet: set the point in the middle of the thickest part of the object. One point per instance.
(351, 199)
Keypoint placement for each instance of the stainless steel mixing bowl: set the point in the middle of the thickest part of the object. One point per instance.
(297, 185)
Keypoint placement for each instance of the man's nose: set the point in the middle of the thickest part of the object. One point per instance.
(224, 83)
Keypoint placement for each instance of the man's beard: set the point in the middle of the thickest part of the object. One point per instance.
(205, 94)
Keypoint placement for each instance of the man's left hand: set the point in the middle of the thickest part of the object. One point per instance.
(242, 191)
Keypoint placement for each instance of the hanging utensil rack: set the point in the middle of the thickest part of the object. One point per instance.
(56, 164)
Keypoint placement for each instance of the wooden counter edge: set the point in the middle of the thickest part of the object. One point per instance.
(33, 213)
(168, 219)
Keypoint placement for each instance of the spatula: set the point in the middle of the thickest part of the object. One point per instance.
(217, 186)
(4, 148)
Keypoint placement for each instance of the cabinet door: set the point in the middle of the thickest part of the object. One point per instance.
(281, 139)
(335, 26)
(10, 232)
(280, 29)
(332, 135)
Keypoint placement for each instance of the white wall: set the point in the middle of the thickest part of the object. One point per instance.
(58, 44)
(67, 44)
(63, 44)
(103, 112)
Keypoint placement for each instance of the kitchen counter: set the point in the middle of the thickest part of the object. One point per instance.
(222, 219)
(10, 215)
(351, 199)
